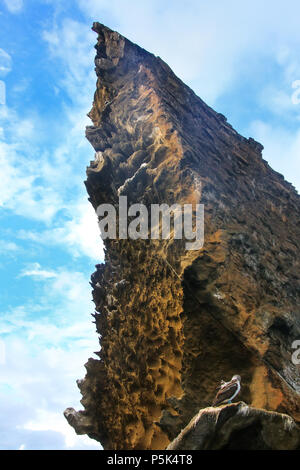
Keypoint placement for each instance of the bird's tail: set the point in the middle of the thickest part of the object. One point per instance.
(217, 402)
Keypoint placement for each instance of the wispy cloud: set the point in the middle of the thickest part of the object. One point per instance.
(34, 270)
(48, 186)
(44, 356)
(281, 149)
(214, 45)
(73, 75)
(51, 421)
(36, 385)
(5, 63)
(79, 234)
(14, 6)
(21, 173)
(63, 298)
(50, 335)
(7, 246)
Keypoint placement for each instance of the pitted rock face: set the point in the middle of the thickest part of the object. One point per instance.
(173, 323)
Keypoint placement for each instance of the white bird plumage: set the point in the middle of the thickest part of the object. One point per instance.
(228, 390)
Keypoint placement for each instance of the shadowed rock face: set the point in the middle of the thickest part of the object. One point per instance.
(173, 323)
(238, 427)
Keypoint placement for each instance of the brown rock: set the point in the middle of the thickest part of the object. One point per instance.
(238, 427)
(172, 322)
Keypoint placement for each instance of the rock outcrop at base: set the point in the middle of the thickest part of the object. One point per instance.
(238, 427)
(173, 323)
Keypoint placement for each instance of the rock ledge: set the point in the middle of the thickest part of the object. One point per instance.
(238, 426)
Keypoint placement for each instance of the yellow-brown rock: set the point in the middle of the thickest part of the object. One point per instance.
(173, 323)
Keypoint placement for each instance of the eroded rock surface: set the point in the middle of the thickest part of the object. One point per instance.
(238, 427)
(173, 323)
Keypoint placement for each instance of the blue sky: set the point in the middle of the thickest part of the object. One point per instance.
(242, 58)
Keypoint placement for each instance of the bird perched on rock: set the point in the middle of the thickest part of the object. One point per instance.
(228, 391)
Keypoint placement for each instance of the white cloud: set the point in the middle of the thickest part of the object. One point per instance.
(281, 149)
(25, 129)
(7, 247)
(48, 186)
(207, 44)
(50, 421)
(21, 173)
(80, 235)
(77, 76)
(39, 183)
(34, 270)
(2, 98)
(11, 174)
(62, 304)
(47, 341)
(5, 63)
(66, 299)
(49, 338)
(36, 385)
(14, 6)
(21, 86)
(278, 100)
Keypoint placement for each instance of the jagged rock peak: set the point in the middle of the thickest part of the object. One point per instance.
(172, 322)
